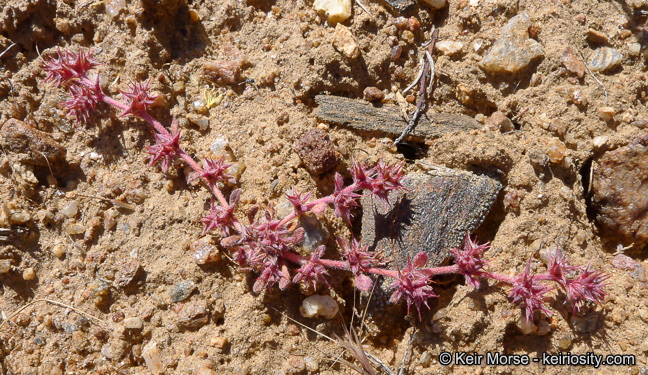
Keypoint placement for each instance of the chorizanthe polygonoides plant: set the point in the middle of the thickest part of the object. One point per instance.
(265, 245)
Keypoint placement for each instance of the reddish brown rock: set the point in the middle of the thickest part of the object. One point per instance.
(499, 121)
(193, 315)
(620, 194)
(223, 72)
(317, 152)
(573, 63)
(373, 94)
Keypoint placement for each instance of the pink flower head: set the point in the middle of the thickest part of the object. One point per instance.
(588, 286)
(312, 272)
(68, 65)
(213, 171)
(387, 178)
(137, 98)
(272, 274)
(83, 99)
(360, 176)
(470, 260)
(558, 268)
(413, 284)
(299, 201)
(528, 291)
(344, 199)
(166, 147)
(360, 258)
(221, 218)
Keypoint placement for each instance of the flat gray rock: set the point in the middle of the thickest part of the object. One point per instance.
(433, 216)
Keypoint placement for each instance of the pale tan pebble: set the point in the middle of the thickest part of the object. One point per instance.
(29, 274)
(335, 10)
(5, 265)
(218, 342)
(600, 141)
(19, 218)
(344, 42)
(58, 250)
(606, 113)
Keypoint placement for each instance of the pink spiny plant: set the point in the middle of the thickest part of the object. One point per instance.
(267, 246)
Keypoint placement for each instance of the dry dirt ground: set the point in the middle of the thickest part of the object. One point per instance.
(88, 259)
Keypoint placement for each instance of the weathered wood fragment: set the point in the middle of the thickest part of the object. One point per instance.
(384, 118)
(433, 216)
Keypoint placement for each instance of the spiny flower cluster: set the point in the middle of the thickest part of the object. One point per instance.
(267, 245)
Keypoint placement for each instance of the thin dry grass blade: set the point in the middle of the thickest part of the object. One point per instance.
(352, 344)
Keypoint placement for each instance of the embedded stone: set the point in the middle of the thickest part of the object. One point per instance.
(30, 146)
(335, 10)
(432, 216)
(620, 194)
(572, 63)
(344, 42)
(605, 59)
(514, 51)
(317, 151)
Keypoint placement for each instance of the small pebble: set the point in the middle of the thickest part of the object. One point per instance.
(182, 291)
(525, 327)
(556, 151)
(437, 4)
(133, 323)
(29, 274)
(70, 209)
(335, 10)
(622, 261)
(19, 218)
(218, 342)
(74, 228)
(201, 121)
(396, 52)
(572, 62)
(499, 121)
(512, 201)
(425, 359)
(151, 356)
(319, 305)
(514, 50)
(297, 363)
(204, 251)
(606, 113)
(600, 141)
(58, 250)
(223, 72)
(314, 233)
(283, 118)
(193, 315)
(311, 364)
(604, 59)
(344, 42)
(113, 7)
(596, 36)
(373, 94)
(408, 36)
(193, 14)
(317, 151)
(564, 341)
(448, 47)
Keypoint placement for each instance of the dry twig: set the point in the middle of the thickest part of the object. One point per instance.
(428, 74)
